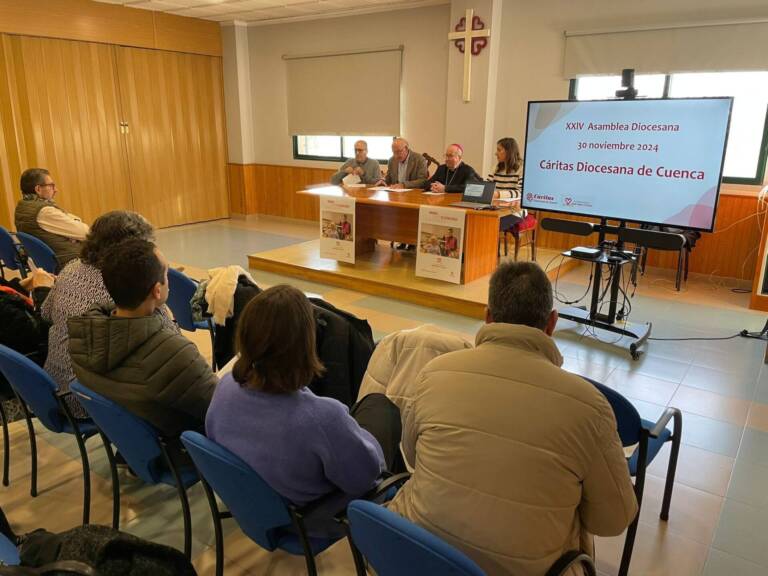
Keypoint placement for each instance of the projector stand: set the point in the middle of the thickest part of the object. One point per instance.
(593, 317)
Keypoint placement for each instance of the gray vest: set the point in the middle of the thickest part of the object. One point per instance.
(26, 221)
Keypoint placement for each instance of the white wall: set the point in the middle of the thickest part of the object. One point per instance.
(423, 33)
(533, 43)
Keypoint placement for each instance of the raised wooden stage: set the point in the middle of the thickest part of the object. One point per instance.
(389, 273)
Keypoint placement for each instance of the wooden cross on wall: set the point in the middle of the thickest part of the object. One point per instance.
(469, 36)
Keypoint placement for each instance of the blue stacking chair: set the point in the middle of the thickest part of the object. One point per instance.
(10, 257)
(35, 389)
(181, 289)
(262, 514)
(649, 437)
(42, 254)
(9, 554)
(145, 450)
(395, 546)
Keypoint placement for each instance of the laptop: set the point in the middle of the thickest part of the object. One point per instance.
(477, 196)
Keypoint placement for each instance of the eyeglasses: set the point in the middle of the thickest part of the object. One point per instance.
(360, 150)
(52, 185)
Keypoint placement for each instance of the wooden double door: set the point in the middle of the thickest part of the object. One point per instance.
(119, 128)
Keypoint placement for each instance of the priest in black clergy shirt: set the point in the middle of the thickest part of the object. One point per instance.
(454, 175)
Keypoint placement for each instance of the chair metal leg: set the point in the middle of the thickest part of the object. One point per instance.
(216, 516)
(32, 444)
(629, 542)
(685, 267)
(357, 556)
(184, 501)
(506, 246)
(83, 457)
(679, 275)
(115, 481)
(6, 446)
(672, 465)
(308, 554)
(517, 244)
(533, 244)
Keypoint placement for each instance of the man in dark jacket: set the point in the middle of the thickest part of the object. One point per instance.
(125, 353)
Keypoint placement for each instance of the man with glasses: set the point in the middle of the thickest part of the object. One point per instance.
(454, 175)
(366, 168)
(38, 215)
(406, 169)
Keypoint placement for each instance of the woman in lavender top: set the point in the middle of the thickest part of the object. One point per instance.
(304, 446)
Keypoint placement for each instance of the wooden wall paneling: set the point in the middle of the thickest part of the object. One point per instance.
(10, 163)
(173, 104)
(729, 251)
(65, 106)
(183, 34)
(237, 188)
(90, 21)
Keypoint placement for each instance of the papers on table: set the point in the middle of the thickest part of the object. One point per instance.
(430, 193)
(351, 179)
(388, 189)
(358, 185)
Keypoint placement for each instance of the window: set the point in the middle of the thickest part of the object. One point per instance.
(745, 157)
(340, 148)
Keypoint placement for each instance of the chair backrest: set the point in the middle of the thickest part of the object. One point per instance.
(257, 508)
(181, 288)
(396, 547)
(9, 554)
(35, 387)
(627, 417)
(135, 438)
(42, 254)
(9, 254)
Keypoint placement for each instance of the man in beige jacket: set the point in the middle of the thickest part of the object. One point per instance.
(516, 460)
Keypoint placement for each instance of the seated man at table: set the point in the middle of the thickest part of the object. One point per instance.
(454, 175)
(406, 169)
(366, 168)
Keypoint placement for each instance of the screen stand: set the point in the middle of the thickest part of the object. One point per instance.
(614, 260)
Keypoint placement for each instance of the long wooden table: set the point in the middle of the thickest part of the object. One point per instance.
(382, 215)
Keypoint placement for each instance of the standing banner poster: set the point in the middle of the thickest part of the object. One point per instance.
(337, 228)
(441, 243)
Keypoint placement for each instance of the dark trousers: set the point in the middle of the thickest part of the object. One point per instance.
(378, 415)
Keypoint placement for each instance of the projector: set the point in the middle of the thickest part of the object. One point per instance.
(584, 252)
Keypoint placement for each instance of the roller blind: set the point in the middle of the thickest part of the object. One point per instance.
(700, 48)
(351, 93)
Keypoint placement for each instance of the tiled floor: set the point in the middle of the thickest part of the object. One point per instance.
(717, 524)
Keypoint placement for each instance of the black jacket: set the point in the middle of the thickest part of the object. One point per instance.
(454, 180)
(23, 328)
(344, 344)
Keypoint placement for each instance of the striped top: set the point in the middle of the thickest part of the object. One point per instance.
(509, 186)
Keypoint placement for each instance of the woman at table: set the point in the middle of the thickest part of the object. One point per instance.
(507, 174)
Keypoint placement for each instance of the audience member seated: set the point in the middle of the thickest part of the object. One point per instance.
(400, 356)
(516, 460)
(454, 175)
(37, 214)
(80, 285)
(366, 168)
(23, 329)
(304, 446)
(406, 169)
(128, 354)
(20, 301)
